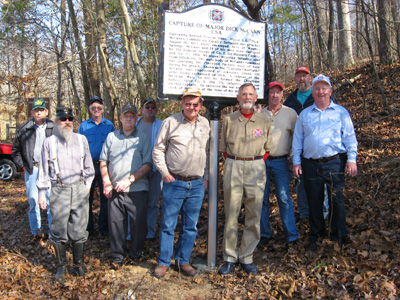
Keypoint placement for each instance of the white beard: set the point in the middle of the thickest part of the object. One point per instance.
(65, 133)
(247, 105)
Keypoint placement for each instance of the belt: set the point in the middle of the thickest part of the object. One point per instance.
(35, 164)
(96, 163)
(183, 178)
(244, 158)
(277, 157)
(325, 159)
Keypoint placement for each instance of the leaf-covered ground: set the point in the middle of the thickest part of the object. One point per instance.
(367, 268)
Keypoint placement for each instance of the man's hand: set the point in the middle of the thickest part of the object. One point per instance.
(107, 189)
(169, 178)
(297, 171)
(42, 202)
(351, 169)
(205, 182)
(122, 185)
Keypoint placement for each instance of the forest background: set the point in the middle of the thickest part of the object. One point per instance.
(71, 50)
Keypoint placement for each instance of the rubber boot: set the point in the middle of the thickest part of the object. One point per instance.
(78, 259)
(61, 261)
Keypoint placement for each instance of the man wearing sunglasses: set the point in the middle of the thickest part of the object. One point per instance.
(26, 152)
(150, 125)
(67, 167)
(96, 130)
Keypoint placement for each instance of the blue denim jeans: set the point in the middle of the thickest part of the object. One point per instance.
(188, 197)
(278, 169)
(155, 187)
(317, 175)
(35, 221)
(302, 201)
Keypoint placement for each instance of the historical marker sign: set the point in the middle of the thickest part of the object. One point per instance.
(214, 48)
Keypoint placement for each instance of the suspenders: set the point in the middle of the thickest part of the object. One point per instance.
(54, 156)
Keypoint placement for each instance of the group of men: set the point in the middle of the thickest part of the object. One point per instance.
(145, 156)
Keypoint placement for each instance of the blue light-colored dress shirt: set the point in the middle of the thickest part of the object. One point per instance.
(324, 133)
(96, 134)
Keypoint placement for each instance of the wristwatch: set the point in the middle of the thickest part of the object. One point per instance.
(131, 179)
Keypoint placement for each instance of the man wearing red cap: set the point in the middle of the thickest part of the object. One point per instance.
(283, 120)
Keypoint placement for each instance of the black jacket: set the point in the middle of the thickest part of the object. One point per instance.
(24, 143)
(292, 102)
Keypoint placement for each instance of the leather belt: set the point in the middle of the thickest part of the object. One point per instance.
(277, 157)
(325, 159)
(36, 164)
(183, 178)
(244, 158)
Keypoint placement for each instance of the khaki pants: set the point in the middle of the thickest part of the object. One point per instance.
(248, 178)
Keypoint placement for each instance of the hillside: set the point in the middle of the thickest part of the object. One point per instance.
(368, 268)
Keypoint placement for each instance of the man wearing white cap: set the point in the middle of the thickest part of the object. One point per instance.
(324, 148)
(300, 99)
(181, 155)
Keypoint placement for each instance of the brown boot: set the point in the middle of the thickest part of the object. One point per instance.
(186, 269)
(160, 271)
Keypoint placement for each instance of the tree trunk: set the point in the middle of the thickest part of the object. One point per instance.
(91, 54)
(60, 54)
(345, 46)
(127, 63)
(384, 47)
(113, 103)
(78, 42)
(320, 18)
(330, 33)
(396, 21)
(133, 51)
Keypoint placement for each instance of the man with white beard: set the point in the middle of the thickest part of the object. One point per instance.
(244, 138)
(66, 165)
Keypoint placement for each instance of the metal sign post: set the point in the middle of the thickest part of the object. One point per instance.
(216, 49)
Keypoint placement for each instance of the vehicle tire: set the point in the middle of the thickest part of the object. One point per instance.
(8, 170)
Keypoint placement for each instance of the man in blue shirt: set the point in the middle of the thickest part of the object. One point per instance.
(150, 125)
(324, 148)
(96, 130)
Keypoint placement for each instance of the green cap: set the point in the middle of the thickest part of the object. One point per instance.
(38, 103)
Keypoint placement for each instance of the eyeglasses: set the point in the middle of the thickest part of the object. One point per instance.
(302, 75)
(150, 107)
(63, 119)
(96, 108)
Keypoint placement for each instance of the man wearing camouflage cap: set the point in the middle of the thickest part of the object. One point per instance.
(181, 155)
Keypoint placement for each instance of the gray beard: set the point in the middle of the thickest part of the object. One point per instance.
(247, 105)
(66, 134)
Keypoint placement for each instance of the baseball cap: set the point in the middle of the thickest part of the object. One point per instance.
(275, 83)
(302, 69)
(63, 112)
(149, 100)
(96, 98)
(129, 107)
(38, 103)
(321, 78)
(192, 91)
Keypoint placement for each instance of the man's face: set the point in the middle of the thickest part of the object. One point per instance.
(150, 110)
(191, 106)
(247, 97)
(321, 93)
(303, 81)
(65, 127)
(96, 109)
(275, 95)
(39, 115)
(128, 120)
